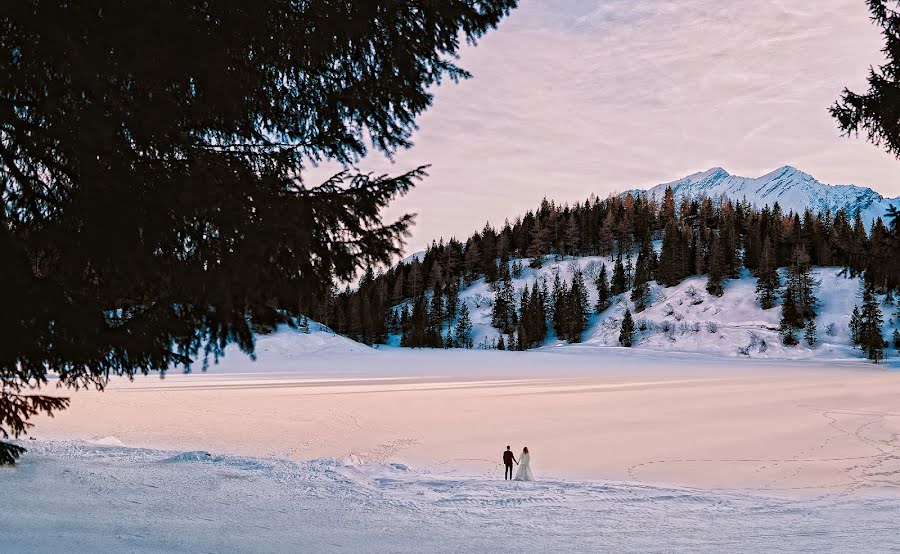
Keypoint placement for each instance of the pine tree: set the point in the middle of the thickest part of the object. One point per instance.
(856, 326)
(672, 262)
(184, 159)
(800, 279)
(517, 269)
(629, 271)
(718, 269)
(768, 282)
(619, 280)
(799, 300)
(580, 307)
(500, 344)
(640, 293)
(896, 339)
(871, 339)
(626, 333)
(462, 338)
(562, 314)
(790, 319)
(809, 334)
(503, 314)
(524, 332)
(537, 316)
(603, 292)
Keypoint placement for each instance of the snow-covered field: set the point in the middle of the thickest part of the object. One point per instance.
(77, 497)
(377, 450)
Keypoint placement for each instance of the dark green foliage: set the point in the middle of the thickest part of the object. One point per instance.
(626, 333)
(856, 326)
(503, 314)
(15, 411)
(603, 292)
(809, 333)
(790, 319)
(462, 337)
(869, 335)
(798, 300)
(619, 279)
(151, 165)
(768, 282)
(874, 113)
(532, 318)
(579, 306)
(896, 339)
(640, 293)
(718, 266)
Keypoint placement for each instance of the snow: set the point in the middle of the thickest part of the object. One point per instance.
(685, 318)
(793, 189)
(415, 256)
(71, 496)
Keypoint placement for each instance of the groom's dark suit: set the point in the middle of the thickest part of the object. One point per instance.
(508, 460)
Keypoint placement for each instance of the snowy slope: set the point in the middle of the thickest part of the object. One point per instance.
(793, 189)
(685, 318)
(287, 347)
(688, 319)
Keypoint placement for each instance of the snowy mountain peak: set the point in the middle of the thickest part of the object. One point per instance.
(794, 191)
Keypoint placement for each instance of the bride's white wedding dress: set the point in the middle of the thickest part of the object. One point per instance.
(524, 471)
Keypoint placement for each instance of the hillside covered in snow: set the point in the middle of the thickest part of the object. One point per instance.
(793, 190)
(703, 264)
(686, 318)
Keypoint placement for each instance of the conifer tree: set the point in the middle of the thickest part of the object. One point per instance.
(619, 280)
(156, 200)
(537, 316)
(640, 293)
(462, 337)
(517, 269)
(871, 339)
(500, 344)
(809, 334)
(603, 292)
(579, 306)
(626, 333)
(524, 319)
(856, 326)
(896, 339)
(671, 257)
(718, 269)
(562, 314)
(800, 279)
(554, 297)
(503, 314)
(629, 271)
(768, 282)
(790, 319)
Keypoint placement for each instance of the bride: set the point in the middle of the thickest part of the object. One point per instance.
(524, 471)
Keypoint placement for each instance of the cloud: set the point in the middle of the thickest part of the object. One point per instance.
(573, 97)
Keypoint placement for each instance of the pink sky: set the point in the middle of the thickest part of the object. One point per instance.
(573, 97)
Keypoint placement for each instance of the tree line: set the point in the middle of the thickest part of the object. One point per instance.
(719, 238)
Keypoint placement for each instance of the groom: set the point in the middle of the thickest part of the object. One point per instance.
(508, 460)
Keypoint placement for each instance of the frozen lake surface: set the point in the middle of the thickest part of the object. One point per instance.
(399, 451)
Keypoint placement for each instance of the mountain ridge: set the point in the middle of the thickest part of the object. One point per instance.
(793, 189)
